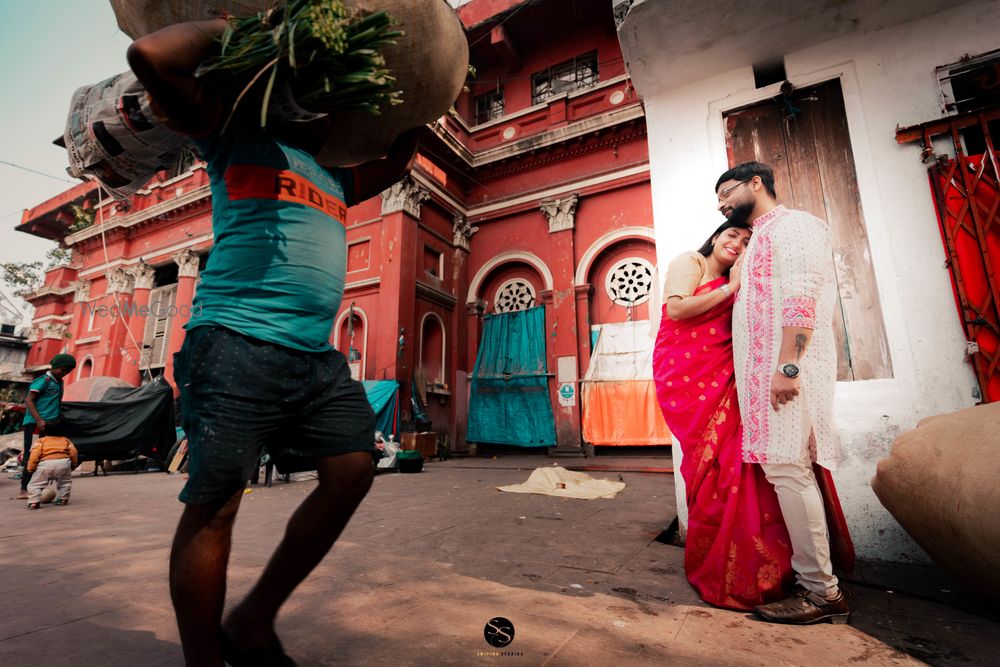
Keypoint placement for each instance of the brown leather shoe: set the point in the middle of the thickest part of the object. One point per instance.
(805, 607)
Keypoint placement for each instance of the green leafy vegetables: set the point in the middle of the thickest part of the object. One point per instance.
(327, 56)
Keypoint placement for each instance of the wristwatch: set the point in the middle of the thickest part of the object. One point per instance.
(789, 370)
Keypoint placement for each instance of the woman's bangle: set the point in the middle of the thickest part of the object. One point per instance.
(725, 290)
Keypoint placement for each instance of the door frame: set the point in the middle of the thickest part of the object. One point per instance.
(866, 171)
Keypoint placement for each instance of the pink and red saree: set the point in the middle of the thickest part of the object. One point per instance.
(738, 554)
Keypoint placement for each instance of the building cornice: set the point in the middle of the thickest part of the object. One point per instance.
(624, 130)
(487, 210)
(435, 295)
(507, 118)
(535, 142)
(167, 207)
(49, 290)
(191, 243)
(362, 284)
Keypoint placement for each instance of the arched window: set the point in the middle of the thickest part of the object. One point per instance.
(351, 338)
(432, 347)
(86, 369)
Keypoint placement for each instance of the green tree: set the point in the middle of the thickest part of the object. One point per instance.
(22, 277)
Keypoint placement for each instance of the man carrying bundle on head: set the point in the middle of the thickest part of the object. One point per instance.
(256, 368)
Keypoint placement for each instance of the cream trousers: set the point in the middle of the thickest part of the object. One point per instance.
(802, 508)
(59, 471)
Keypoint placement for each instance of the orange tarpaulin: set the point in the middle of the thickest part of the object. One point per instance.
(623, 413)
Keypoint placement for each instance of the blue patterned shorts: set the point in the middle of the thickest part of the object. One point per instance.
(240, 395)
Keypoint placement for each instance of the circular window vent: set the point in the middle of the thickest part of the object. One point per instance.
(514, 295)
(630, 281)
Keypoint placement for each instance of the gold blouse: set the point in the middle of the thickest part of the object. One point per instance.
(684, 275)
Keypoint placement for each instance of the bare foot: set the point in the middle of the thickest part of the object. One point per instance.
(249, 631)
(248, 640)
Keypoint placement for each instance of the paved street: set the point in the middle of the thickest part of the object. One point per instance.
(426, 562)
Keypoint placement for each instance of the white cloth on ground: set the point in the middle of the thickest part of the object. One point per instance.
(557, 481)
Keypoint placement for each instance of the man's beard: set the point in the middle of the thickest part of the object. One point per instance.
(740, 214)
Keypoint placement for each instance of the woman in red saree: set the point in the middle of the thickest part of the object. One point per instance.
(738, 554)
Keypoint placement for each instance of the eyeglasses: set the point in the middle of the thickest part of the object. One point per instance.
(725, 193)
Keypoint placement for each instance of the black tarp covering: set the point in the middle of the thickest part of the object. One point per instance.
(126, 422)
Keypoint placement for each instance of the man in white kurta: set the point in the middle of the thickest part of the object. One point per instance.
(786, 369)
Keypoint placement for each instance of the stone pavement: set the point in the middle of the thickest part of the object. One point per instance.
(427, 561)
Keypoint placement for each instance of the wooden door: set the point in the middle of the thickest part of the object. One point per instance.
(804, 137)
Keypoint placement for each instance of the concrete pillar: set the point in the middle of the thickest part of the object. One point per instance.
(187, 275)
(584, 352)
(142, 279)
(562, 326)
(396, 337)
(81, 309)
(460, 360)
(120, 286)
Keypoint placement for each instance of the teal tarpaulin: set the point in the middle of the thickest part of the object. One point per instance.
(509, 400)
(383, 395)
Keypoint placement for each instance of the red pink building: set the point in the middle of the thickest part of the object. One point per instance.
(533, 192)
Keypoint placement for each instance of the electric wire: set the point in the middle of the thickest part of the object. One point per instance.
(36, 172)
(107, 277)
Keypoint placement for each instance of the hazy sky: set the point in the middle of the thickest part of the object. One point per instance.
(48, 48)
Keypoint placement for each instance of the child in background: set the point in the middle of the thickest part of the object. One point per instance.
(43, 404)
(52, 460)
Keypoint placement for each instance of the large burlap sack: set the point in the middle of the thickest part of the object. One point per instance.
(113, 135)
(942, 483)
(430, 63)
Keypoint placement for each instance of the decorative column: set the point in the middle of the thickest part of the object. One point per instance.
(53, 338)
(142, 279)
(583, 298)
(396, 337)
(462, 357)
(187, 275)
(120, 285)
(562, 323)
(81, 310)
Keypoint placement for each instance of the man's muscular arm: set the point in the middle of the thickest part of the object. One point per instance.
(165, 62)
(378, 175)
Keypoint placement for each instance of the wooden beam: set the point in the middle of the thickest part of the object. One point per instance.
(933, 128)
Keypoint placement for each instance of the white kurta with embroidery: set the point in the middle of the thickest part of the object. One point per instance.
(787, 279)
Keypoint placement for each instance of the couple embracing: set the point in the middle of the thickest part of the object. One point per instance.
(745, 366)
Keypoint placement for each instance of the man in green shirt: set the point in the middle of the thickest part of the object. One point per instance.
(42, 406)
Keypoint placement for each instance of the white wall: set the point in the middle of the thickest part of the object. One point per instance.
(888, 80)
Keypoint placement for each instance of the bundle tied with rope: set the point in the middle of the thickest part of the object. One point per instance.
(377, 67)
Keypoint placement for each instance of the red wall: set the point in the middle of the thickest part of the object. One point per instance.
(606, 167)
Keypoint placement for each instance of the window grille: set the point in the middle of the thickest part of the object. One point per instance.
(489, 106)
(573, 74)
(630, 282)
(514, 295)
